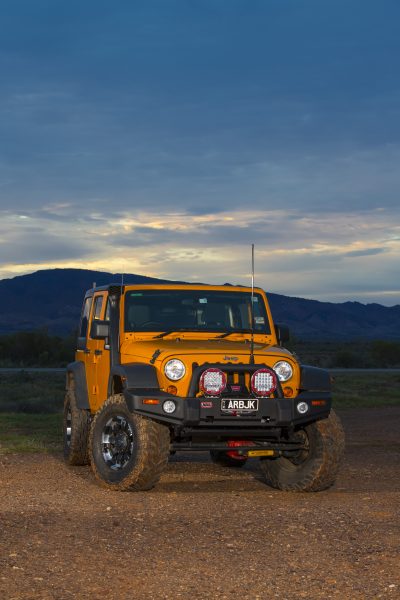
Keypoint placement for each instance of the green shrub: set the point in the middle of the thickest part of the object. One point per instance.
(385, 353)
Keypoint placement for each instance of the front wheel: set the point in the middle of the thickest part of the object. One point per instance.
(127, 451)
(314, 468)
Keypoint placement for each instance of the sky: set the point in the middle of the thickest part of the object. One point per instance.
(164, 137)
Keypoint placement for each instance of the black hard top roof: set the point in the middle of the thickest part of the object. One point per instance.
(121, 288)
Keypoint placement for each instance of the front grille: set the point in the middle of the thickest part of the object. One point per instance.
(238, 379)
(238, 384)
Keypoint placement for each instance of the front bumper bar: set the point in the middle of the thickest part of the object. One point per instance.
(204, 414)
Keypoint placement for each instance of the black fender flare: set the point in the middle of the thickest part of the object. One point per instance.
(315, 379)
(77, 370)
(134, 375)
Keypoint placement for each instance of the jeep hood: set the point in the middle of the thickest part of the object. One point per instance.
(223, 350)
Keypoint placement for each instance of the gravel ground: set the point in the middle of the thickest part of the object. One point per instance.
(206, 531)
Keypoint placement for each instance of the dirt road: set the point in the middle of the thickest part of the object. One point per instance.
(206, 531)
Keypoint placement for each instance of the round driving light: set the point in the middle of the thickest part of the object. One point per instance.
(283, 369)
(169, 406)
(174, 369)
(213, 382)
(263, 382)
(302, 408)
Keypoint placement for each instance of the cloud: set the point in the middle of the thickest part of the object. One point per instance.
(366, 252)
(167, 139)
(323, 256)
(25, 239)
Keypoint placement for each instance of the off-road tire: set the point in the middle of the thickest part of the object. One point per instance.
(149, 457)
(222, 459)
(319, 468)
(76, 427)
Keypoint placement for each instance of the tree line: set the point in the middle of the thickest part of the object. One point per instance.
(355, 354)
(36, 349)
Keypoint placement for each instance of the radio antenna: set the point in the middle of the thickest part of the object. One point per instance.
(252, 307)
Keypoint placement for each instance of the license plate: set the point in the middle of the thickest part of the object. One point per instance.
(239, 405)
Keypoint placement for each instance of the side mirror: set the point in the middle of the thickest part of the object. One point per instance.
(100, 330)
(282, 333)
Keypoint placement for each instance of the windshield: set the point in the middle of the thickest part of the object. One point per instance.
(194, 310)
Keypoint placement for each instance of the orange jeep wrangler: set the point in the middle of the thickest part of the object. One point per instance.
(166, 368)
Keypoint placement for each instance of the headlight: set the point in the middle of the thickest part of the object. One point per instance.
(283, 369)
(174, 369)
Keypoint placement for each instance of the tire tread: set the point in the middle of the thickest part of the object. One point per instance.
(325, 466)
(76, 454)
(153, 450)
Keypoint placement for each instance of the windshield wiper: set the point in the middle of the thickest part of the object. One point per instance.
(224, 335)
(218, 337)
(164, 333)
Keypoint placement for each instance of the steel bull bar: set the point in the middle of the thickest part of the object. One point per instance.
(196, 413)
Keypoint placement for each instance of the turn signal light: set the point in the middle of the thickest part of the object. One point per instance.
(287, 392)
(172, 389)
(150, 401)
(318, 402)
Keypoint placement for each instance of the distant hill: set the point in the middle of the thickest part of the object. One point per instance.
(310, 319)
(53, 298)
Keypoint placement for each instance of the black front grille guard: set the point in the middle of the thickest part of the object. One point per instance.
(198, 370)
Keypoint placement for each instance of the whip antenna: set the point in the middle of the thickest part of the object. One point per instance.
(252, 308)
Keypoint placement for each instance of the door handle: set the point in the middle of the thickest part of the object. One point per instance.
(86, 350)
(98, 352)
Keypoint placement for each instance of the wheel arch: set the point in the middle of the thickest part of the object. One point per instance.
(130, 376)
(315, 379)
(76, 379)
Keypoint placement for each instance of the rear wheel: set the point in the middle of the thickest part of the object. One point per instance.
(314, 468)
(76, 426)
(127, 451)
(223, 459)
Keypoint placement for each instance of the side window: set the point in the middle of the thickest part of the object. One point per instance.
(107, 315)
(85, 317)
(98, 303)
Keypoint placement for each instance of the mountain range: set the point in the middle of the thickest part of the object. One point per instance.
(52, 299)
